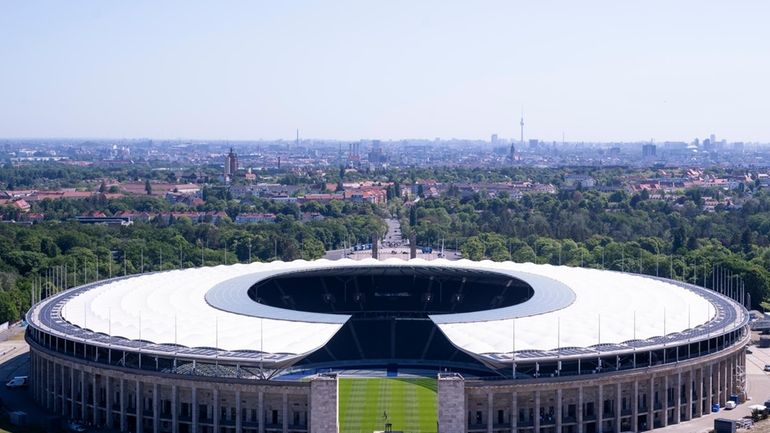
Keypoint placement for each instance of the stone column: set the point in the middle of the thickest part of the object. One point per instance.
(559, 414)
(490, 411)
(139, 407)
(215, 410)
(618, 407)
(451, 412)
(699, 391)
(174, 409)
(664, 413)
(83, 396)
(108, 401)
(261, 409)
(678, 399)
(72, 392)
(537, 411)
(49, 388)
(651, 404)
(95, 399)
(123, 401)
(720, 384)
(599, 408)
(710, 384)
(580, 410)
(285, 411)
(51, 376)
(635, 407)
(194, 403)
(688, 395)
(514, 412)
(156, 407)
(238, 410)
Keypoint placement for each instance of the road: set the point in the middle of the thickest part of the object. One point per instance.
(393, 245)
(14, 361)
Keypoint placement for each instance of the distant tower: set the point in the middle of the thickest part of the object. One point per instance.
(512, 156)
(231, 164)
(521, 123)
(297, 142)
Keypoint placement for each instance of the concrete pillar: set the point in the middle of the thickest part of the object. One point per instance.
(537, 411)
(123, 402)
(174, 409)
(49, 386)
(580, 410)
(678, 399)
(699, 392)
(710, 388)
(72, 392)
(57, 389)
(559, 414)
(156, 407)
(514, 412)
(323, 403)
(83, 396)
(139, 407)
(61, 389)
(599, 407)
(95, 393)
(688, 412)
(720, 384)
(109, 400)
(261, 409)
(285, 412)
(238, 410)
(635, 407)
(194, 403)
(215, 410)
(664, 413)
(651, 404)
(490, 410)
(618, 407)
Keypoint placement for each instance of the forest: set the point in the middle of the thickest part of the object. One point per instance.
(672, 238)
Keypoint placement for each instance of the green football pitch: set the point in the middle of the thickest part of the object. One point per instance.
(410, 404)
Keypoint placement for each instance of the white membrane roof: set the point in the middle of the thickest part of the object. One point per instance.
(609, 308)
(572, 307)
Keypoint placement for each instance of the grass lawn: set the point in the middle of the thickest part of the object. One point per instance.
(410, 404)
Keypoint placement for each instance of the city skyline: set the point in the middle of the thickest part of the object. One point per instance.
(592, 73)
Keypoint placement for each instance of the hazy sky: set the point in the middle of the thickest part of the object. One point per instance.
(601, 70)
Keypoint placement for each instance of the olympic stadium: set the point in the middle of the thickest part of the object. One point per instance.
(327, 346)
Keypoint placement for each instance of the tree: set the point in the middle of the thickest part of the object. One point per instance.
(148, 187)
(473, 248)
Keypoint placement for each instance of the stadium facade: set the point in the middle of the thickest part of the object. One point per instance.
(515, 347)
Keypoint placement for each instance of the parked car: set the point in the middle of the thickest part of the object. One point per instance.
(767, 367)
(18, 382)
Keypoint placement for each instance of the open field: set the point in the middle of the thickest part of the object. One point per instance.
(410, 404)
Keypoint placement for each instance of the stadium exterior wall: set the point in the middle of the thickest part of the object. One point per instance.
(81, 390)
(611, 402)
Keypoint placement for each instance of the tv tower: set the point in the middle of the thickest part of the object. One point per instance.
(522, 126)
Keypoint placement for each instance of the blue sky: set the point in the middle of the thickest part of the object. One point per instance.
(595, 70)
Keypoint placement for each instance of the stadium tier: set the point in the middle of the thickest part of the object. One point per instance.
(258, 347)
